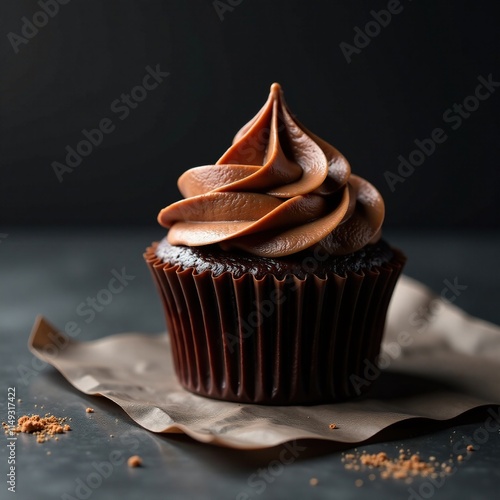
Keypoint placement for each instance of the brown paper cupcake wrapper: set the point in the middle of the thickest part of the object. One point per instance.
(272, 341)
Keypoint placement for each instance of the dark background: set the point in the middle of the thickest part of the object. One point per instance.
(372, 109)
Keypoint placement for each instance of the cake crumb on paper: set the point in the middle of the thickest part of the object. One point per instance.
(134, 461)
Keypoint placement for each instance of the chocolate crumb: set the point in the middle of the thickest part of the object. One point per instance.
(405, 467)
(44, 428)
(134, 461)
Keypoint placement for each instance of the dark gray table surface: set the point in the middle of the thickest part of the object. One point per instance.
(51, 272)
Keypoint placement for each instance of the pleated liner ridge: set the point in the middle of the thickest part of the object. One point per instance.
(272, 341)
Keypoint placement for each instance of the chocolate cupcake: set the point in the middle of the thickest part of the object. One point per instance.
(273, 275)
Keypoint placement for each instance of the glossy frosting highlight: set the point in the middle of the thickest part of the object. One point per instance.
(278, 190)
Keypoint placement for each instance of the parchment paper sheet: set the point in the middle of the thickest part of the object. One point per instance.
(437, 362)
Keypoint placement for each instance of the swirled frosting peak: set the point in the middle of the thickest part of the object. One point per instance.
(278, 190)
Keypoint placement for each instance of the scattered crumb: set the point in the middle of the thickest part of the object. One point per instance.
(470, 448)
(44, 428)
(405, 467)
(134, 461)
(90, 410)
(111, 436)
(358, 483)
(49, 453)
(19, 400)
(313, 481)
(332, 426)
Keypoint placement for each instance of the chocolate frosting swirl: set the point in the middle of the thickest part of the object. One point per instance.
(278, 190)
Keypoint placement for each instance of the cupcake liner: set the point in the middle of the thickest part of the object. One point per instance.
(274, 341)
